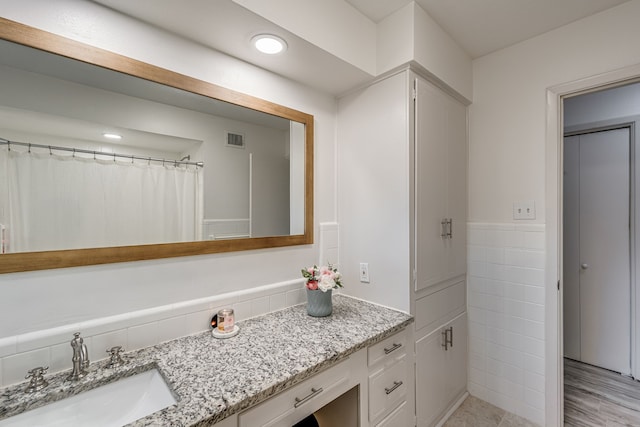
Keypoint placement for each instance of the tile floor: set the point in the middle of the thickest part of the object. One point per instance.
(477, 413)
(596, 397)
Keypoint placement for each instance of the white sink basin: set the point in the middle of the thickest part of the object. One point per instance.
(114, 404)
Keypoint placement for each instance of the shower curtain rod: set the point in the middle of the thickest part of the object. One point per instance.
(98, 153)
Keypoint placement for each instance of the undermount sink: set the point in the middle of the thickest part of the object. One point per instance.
(114, 404)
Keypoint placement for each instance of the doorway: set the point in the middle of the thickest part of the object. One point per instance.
(596, 248)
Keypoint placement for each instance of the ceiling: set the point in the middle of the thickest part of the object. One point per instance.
(478, 26)
(481, 27)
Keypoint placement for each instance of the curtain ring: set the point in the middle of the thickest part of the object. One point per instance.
(149, 164)
(131, 159)
(175, 164)
(114, 157)
(50, 153)
(74, 153)
(8, 145)
(29, 148)
(162, 162)
(94, 155)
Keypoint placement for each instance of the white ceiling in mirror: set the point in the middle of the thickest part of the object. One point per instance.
(15, 124)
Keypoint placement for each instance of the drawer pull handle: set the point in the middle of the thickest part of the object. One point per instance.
(393, 348)
(396, 384)
(314, 393)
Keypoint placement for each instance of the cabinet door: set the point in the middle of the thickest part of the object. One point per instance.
(457, 187)
(441, 374)
(430, 377)
(456, 360)
(430, 185)
(440, 186)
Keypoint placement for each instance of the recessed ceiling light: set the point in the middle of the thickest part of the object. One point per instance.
(269, 44)
(112, 136)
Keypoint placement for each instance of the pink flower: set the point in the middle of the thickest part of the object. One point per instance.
(312, 285)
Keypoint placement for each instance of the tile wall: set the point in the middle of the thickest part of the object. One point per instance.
(506, 316)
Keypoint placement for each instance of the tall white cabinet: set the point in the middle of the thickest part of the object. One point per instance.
(402, 192)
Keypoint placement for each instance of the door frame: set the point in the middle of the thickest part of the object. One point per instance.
(554, 370)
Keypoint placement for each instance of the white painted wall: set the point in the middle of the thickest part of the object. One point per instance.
(410, 34)
(616, 103)
(507, 118)
(37, 300)
(507, 156)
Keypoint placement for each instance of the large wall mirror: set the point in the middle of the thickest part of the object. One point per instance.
(106, 159)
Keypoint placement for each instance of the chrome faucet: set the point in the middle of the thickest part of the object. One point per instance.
(80, 358)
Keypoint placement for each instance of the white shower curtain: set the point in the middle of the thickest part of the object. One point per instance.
(67, 202)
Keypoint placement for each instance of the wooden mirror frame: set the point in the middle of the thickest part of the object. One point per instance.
(27, 261)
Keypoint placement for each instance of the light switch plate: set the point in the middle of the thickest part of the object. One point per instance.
(524, 210)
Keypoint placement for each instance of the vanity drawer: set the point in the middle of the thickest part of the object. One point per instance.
(399, 417)
(440, 307)
(388, 349)
(387, 387)
(296, 403)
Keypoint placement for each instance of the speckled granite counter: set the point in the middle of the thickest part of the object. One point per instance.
(213, 379)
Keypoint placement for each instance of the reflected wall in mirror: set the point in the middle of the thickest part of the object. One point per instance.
(197, 168)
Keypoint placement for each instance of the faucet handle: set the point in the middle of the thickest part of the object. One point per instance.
(37, 379)
(116, 360)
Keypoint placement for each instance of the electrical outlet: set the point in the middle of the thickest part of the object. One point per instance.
(364, 272)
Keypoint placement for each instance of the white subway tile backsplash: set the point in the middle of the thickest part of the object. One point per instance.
(171, 328)
(534, 364)
(260, 306)
(14, 368)
(8, 346)
(534, 398)
(137, 329)
(278, 301)
(296, 296)
(142, 336)
(199, 321)
(39, 339)
(506, 279)
(534, 381)
(103, 342)
(60, 357)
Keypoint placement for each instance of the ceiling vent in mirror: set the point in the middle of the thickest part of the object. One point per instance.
(235, 140)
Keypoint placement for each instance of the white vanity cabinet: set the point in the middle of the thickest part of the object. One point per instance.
(402, 167)
(441, 362)
(390, 377)
(328, 387)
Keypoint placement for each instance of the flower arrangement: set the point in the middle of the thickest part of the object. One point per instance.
(324, 278)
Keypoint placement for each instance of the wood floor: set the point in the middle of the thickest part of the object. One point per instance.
(597, 397)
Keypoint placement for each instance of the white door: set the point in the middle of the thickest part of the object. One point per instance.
(597, 256)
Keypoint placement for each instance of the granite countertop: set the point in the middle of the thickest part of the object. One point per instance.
(215, 378)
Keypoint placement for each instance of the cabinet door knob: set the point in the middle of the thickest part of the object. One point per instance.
(584, 266)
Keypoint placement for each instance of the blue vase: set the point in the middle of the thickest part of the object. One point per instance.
(319, 303)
